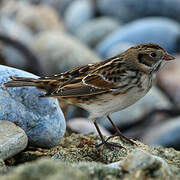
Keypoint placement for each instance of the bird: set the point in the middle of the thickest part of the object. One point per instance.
(104, 87)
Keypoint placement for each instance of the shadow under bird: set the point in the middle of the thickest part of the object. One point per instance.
(104, 87)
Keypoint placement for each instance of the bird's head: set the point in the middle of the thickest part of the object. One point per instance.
(148, 56)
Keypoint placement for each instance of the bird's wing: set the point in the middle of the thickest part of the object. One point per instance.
(91, 79)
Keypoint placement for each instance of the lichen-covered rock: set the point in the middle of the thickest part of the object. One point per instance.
(3, 168)
(40, 118)
(142, 165)
(59, 52)
(79, 154)
(45, 169)
(13, 139)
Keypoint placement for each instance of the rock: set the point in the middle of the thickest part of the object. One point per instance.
(15, 31)
(84, 126)
(118, 49)
(129, 10)
(39, 18)
(154, 99)
(40, 118)
(95, 30)
(165, 134)
(59, 52)
(162, 31)
(169, 78)
(81, 157)
(139, 162)
(13, 139)
(45, 169)
(3, 168)
(78, 13)
(59, 5)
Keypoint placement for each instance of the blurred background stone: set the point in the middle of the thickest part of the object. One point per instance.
(95, 30)
(13, 139)
(169, 78)
(162, 31)
(59, 5)
(130, 10)
(40, 118)
(59, 52)
(84, 126)
(17, 31)
(39, 18)
(119, 48)
(165, 134)
(78, 13)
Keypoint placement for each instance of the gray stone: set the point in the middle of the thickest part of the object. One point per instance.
(118, 49)
(169, 78)
(95, 30)
(45, 169)
(154, 99)
(129, 10)
(19, 32)
(84, 126)
(59, 5)
(165, 134)
(78, 13)
(41, 118)
(162, 31)
(39, 18)
(13, 139)
(138, 162)
(59, 52)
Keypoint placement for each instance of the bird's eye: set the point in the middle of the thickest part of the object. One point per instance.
(153, 54)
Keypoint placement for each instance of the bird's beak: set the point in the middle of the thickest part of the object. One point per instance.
(168, 57)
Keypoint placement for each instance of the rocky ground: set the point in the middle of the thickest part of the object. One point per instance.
(76, 157)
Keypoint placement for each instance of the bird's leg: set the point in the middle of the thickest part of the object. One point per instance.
(105, 141)
(118, 133)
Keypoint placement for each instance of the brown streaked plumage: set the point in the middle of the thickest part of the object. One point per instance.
(104, 87)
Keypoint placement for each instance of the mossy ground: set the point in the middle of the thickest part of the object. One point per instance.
(79, 152)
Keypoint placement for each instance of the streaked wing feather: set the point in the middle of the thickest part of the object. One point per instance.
(74, 90)
(98, 81)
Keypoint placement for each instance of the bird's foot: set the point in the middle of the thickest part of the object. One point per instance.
(109, 145)
(122, 137)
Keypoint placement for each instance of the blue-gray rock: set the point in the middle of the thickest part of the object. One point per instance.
(41, 118)
(165, 134)
(154, 99)
(13, 139)
(162, 31)
(95, 30)
(118, 49)
(130, 10)
(78, 13)
(17, 31)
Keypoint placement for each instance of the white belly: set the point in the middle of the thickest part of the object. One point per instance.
(109, 103)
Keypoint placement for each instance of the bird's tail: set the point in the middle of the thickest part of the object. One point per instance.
(21, 81)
